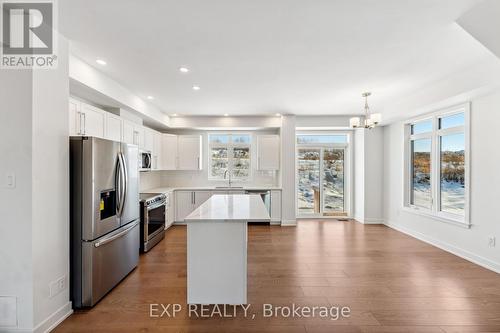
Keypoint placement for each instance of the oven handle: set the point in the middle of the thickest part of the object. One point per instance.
(157, 205)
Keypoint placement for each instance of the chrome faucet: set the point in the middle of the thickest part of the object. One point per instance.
(228, 173)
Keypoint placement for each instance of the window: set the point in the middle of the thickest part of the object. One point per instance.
(230, 152)
(437, 164)
(322, 175)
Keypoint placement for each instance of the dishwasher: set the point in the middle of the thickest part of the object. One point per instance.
(265, 195)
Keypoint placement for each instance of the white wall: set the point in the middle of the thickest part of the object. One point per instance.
(288, 171)
(368, 172)
(359, 175)
(485, 180)
(50, 176)
(374, 171)
(34, 233)
(16, 266)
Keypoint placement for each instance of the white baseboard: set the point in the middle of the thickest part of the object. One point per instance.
(48, 324)
(369, 220)
(288, 223)
(55, 319)
(462, 253)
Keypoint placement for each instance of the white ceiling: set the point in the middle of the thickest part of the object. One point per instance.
(266, 56)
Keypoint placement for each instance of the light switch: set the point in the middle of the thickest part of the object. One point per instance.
(10, 180)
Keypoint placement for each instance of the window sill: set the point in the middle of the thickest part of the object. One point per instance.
(436, 217)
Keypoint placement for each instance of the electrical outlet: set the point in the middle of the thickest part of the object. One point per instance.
(491, 241)
(57, 286)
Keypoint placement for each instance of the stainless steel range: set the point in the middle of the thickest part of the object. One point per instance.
(153, 218)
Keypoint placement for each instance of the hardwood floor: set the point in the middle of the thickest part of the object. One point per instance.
(390, 281)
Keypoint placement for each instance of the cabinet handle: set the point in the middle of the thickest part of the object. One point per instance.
(79, 132)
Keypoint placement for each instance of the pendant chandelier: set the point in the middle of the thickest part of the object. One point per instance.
(370, 120)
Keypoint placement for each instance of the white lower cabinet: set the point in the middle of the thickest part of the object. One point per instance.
(170, 209)
(183, 204)
(275, 207)
(188, 201)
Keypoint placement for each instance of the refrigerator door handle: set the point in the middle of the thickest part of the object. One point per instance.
(112, 238)
(118, 182)
(124, 181)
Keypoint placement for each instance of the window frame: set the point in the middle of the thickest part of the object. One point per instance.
(435, 169)
(230, 146)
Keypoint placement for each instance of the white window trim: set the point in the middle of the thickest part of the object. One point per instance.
(348, 168)
(230, 146)
(436, 133)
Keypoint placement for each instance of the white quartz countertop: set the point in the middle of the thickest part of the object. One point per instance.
(209, 188)
(231, 208)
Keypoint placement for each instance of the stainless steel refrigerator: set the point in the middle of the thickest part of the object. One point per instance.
(104, 216)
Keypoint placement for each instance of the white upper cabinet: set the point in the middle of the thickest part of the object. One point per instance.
(86, 119)
(169, 152)
(156, 152)
(189, 152)
(114, 127)
(94, 121)
(74, 117)
(148, 139)
(133, 133)
(139, 136)
(128, 132)
(268, 148)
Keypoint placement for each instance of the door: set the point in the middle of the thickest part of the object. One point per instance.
(131, 199)
(169, 154)
(93, 121)
(128, 132)
(108, 260)
(189, 152)
(333, 185)
(268, 152)
(170, 209)
(157, 152)
(99, 161)
(184, 203)
(321, 181)
(74, 117)
(200, 197)
(113, 127)
(308, 182)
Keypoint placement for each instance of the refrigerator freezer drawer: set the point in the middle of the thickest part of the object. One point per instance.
(106, 261)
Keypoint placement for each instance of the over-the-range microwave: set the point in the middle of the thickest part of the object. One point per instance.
(144, 160)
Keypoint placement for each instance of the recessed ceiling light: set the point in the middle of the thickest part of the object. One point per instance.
(278, 114)
(101, 62)
(150, 97)
(226, 114)
(183, 69)
(196, 88)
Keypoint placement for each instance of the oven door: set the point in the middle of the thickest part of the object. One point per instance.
(155, 220)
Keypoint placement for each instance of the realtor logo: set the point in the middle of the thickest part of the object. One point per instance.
(27, 34)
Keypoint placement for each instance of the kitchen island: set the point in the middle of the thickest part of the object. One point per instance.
(217, 248)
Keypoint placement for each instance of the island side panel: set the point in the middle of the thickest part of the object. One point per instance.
(216, 262)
